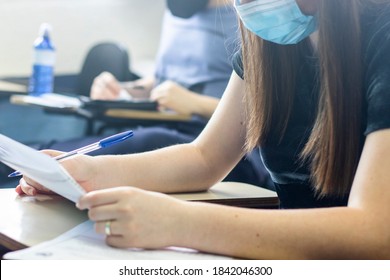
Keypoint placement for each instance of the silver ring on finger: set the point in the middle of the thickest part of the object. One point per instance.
(107, 228)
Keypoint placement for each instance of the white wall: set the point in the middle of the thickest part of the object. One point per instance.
(77, 25)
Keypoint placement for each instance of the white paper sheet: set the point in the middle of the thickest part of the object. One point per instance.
(53, 100)
(82, 242)
(39, 167)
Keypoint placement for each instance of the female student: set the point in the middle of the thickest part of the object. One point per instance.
(314, 96)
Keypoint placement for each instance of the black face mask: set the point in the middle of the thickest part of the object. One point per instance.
(186, 8)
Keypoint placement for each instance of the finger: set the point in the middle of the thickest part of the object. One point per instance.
(26, 188)
(126, 240)
(96, 87)
(107, 78)
(96, 90)
(117, 241)
(103, 213)
(102, 92)
(101, 227)
(113, 91)
(104, 87)
(159, 97)
(96, 198)
(35, 186)
(52, 153)
(155, 95)
(111, 84)
(18, 190)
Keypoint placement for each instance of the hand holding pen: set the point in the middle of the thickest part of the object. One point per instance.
(107, 87)
(106, 142)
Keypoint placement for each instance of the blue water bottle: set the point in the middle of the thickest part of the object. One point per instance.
(42, 77)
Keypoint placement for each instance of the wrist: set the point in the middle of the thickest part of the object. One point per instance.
(193, 103)
(204, 105)
(182, 225)
(190, 229)
(103, 172)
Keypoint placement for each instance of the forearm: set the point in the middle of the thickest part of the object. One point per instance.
(204, 105)
(189, 167)
(331, 233)
(180, 168)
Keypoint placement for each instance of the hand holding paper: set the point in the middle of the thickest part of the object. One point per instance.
(40, 168)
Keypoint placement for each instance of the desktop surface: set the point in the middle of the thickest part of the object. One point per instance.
(26, 221)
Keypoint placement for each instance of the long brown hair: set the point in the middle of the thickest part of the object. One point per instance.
(333, 147)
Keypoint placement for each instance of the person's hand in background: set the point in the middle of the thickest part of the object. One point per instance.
(107, 87)
(173, 96)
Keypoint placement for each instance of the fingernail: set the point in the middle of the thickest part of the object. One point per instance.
(78, 205)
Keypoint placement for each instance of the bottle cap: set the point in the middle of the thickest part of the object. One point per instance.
(45, 29)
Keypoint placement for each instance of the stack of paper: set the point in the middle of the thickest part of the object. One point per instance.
(82, 242)
(48, 100)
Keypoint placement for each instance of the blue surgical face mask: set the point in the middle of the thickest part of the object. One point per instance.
(278, 21)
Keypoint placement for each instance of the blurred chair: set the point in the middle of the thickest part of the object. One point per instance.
(106, 56)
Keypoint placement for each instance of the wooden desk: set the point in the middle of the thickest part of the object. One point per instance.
(26, 221)
(146, 115)
(235, 194)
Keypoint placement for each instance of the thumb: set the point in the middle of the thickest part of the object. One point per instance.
(52, 153)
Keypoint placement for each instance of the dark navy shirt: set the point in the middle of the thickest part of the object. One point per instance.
(282, 159)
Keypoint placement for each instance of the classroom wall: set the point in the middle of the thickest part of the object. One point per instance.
(77, 25)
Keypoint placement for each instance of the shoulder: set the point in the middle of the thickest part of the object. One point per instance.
(376, 27)
(376, 57)
(376, 37)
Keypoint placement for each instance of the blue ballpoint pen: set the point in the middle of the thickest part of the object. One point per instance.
(106, 142)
